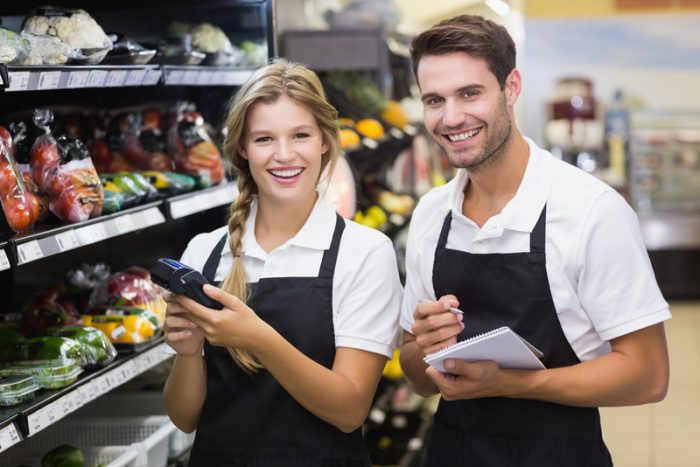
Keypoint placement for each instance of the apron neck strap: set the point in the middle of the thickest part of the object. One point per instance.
(209, 270)
(331, 254)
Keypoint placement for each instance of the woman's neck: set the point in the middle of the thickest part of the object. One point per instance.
(276, 223)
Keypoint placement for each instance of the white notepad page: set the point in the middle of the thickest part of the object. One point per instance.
(501, 345)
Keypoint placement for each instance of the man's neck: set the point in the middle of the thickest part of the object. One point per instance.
(491, 188)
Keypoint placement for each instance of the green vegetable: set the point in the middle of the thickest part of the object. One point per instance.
(63, 456)
(96, 347)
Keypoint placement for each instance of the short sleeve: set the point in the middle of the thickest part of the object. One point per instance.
(617, 287)
(415, 288)
(368, 309)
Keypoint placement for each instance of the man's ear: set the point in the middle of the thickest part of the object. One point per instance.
(513, 86)
(241, 151)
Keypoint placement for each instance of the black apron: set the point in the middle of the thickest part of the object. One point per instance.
(250, 419)
(510, 289)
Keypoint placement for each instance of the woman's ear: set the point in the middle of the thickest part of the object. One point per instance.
(241, 151)
(324, 149)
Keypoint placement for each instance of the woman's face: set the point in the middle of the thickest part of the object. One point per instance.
(284, 146)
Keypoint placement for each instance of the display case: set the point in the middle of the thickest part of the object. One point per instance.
(664, 188)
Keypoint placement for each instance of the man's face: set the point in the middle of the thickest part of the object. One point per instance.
(464, 108)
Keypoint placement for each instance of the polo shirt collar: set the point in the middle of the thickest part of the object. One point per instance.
(521, 212)
(316, 233)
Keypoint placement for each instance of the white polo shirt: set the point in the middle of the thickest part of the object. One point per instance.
(366, 287)
(599, 272)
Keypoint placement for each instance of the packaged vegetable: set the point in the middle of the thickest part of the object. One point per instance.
(43, 348)
(21, 149)
(124, 329)
(17, 389)
(50, 308)
(74, 28)
(21, 208)
(13, 47)
(49, 374)
(170, 183)
(98, 350)
(191, 148)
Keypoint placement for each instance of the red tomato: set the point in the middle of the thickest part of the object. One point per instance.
(17, 213)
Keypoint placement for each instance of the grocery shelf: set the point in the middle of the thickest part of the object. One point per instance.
(53, 77)
(4, 259)
(50, 406)
(54, 240)
(190, 203)
(188, 75)
(371, 157)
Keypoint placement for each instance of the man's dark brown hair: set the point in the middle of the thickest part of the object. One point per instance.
(471, 34)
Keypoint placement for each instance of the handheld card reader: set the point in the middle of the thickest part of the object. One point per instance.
(182, 280)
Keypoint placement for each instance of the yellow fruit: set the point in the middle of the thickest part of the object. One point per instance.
(376, 213)
(344, 122)
(139, 325)
(348, 138)
(370, 128)
(395, 115)
(86, 320)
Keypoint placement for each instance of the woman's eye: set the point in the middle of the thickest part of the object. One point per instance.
(302, 135)
(262, 139)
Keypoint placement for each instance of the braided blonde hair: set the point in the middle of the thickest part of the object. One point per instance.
(280, 77)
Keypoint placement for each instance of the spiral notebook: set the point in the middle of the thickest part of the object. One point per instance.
(502, 345)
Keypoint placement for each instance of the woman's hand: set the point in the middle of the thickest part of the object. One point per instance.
(236, 325)
(183, 335)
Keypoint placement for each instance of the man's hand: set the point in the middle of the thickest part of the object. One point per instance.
(435, 327)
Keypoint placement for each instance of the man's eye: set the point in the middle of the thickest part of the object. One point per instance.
(471, 93)
(433, 100)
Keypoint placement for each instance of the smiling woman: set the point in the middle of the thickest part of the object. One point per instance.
(285, 373)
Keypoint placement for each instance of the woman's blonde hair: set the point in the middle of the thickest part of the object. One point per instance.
(279, 78)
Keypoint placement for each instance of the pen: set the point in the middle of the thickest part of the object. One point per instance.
(456, 311)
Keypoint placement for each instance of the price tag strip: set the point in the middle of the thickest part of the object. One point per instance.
(9, 436)
(203, 201)
(4, 261)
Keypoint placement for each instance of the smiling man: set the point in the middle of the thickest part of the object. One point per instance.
(520, 239)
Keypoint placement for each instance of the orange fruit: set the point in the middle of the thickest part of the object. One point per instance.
(370, 128)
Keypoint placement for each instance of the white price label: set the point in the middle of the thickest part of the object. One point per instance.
(185, 207)
(97, 78)
(217, 77)
(152, 77)
(175, 77)
(19, 81)
(236, 78)
(67, 240)
(205, 77)
(124, 224)
(77, 79)
(87, 392)
(4, 261)
(135, 77)
(49, 79)
(226, 194)
(29, 251)
(38, 420)
(370, 143)
(116, 78)
(149, 217)
(91, 233)
(9, 436)
(102, 385)
(191, 77)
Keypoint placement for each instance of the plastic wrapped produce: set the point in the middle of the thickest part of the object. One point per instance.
(21, 150)
(192, 150)
(50, 374)
(13, 47)
(20, 207)
(49, 309)
(74, 28)
(17, 389)
(44, 158)
(43, 348)
(98, 350)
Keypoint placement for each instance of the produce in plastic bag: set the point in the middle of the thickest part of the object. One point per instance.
(192, 150)
(73, 27)
(50, 308)
(143, 142)
(20, 207)
(13, 47)
(43, 157)
(43, 348)
(50, 374)
(21, 149)
(125, 325)
(97, 347)
(131, 287)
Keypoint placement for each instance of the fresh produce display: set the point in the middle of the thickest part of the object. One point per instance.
(124, 328)
(130, 288)
(192, 149)
(63, 456)
(359, 90)
(43, 348)
(49, 309)
(20, 206)
(49, 374)
(17, 389)
(97, 348)
(74, 28)
(21, 149)
(62, 168)
(13, 47)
